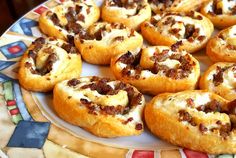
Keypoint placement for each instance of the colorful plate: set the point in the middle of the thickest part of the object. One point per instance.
(30, 128)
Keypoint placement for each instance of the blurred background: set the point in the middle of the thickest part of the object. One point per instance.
(11, 10)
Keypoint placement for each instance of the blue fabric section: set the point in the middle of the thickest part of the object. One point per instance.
(29, 134)
(20, 103)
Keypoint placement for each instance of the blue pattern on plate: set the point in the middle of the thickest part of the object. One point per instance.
(13, 50)
(20, 102)
(6, 64)
(24, 26)
(29, 134)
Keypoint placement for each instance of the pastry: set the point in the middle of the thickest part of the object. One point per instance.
(104, 40)
(66, 20)
(222, 47)
(189, 30)
(157, 69)
(222, 13)
(104, 107)
(220, 78)
(46, 62)
(128, 12)
(159, 6)
(197, 120)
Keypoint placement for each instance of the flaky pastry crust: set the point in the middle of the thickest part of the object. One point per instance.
(66, 19)
(189, 30)
(220, 78)
(197, 120)
(128, 12)
(157, 69)
(104, 107)
(104, 40)
(222, 13)
(222, 47)
(46, 62)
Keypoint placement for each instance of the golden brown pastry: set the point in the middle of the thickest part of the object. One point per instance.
(222, 13)
(66, 20)
(128, 12)
(189, 30)
(104, 40)
(104, 107)
(222, 47)
(220, 78)
(157, 69)
(197, 120)
(46, 62)
(159, 6)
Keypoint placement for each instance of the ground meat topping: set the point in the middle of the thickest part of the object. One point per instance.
(212, 106)
(55, 19)
(181, 71)
(73, 27)
(202, 128)
(100, 85)
(190, 102)
(169, 20)
(225, 130)
(232, 107)
(127, 58)
(185, 116)
(73, 82)
(139, 126)
(218, 77)
(216, 10)
(69, 48)
(52, 58)
(128, 120)
(189, 30)
(176, 46)
(166, 3)
(193, 15)
(231, 47)
(119, 38)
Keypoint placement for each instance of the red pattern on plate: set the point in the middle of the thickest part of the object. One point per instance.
(194, 154)
(40, 9)
(14, 111)
(14, 49)
(11, 103)
(143, 154)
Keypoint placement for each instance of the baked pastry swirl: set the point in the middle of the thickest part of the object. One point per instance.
(220, 78)
(222, 13)
(46, 62)
(222, 47)
(128, 12)
(199, 116)
(66, 20)
(190, 30)
(104, 40)
(159, 6)
(104, 107)
(149, 69)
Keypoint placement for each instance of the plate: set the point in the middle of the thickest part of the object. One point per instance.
(31, 127)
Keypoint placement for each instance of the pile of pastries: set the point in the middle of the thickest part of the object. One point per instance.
(189, 110)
